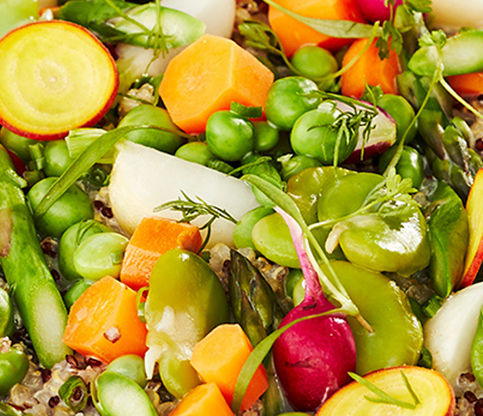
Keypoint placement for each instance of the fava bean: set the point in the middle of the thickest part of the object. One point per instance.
(100, 255)
(13, 368)
(196, 152)
(73, 206)
(57, 158)
(242, 234)
(130, 366)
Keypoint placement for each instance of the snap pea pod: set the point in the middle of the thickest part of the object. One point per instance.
(252, 299)
(448, 234)
(467, 43)
(31, 284)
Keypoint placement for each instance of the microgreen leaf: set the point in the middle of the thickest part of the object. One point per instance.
(418, 6)
(256, 357)
(244, 111)
(385, 398)
(333, 28)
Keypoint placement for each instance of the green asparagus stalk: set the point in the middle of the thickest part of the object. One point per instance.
(252, 299)
(31, 284)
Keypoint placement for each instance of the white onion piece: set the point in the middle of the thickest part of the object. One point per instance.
(144, 178)
(453, 15)
(449, 334)
(217, 15)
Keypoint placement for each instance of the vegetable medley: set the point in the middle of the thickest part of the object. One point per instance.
(257, 207)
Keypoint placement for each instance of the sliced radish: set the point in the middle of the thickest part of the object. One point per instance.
(144, 178)
(54, 76)
(381, 138)
(449, 334)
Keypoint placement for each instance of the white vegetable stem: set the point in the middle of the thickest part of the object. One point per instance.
(449, 334)
(144, 178)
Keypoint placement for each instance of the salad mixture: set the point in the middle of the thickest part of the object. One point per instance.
(249, 207)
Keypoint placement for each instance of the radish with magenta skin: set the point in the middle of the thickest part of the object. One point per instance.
(314, 357)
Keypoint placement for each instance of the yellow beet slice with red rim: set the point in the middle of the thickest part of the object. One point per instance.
(434, 393)
(54, 76)
(207, 77)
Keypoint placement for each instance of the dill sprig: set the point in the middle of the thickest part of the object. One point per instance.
(192, 208)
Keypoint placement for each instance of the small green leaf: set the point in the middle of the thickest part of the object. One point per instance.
(244, 111)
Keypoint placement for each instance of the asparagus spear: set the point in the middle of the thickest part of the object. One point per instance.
(31, 284)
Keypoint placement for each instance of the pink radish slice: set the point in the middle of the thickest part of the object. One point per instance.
(374, 10)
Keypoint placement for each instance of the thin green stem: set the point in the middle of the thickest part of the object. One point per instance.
(458, 98)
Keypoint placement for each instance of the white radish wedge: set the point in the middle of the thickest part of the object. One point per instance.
(144, 178)
(449, 334)
(435, 395)
(452, 14)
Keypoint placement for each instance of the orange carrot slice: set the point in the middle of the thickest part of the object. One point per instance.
(103, 322)
(219, 358)
(204, 400)
(369, 69)
(54, 76)
(294, 34)
(207, 77)
(153, 237)
(467, 85)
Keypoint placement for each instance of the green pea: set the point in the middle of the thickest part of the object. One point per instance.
(288, 99)
(272, 238)
(13, 368)
(16, 144)
(150, 115)
(6, 314)
(296, 164)
(229, 136)
(75, 292)
(410, 165)
(266, 136)
(130, 366)
(116, 395)
(197, 152)
(403, 114)
(57, 158)
(313, 136)
(73, 206)
(100, 255)
(69, 242)
(242, 234)
(314, 62)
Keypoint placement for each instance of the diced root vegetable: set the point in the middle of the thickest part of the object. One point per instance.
(154, 237)
(219, 357)
(204, 400)
(144, 178)
(467, 85)
(294, 34)
(207, 77)
(369, 69)
(67, 79)
(104, 323)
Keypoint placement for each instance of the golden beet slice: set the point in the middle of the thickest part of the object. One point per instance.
(54, 76)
